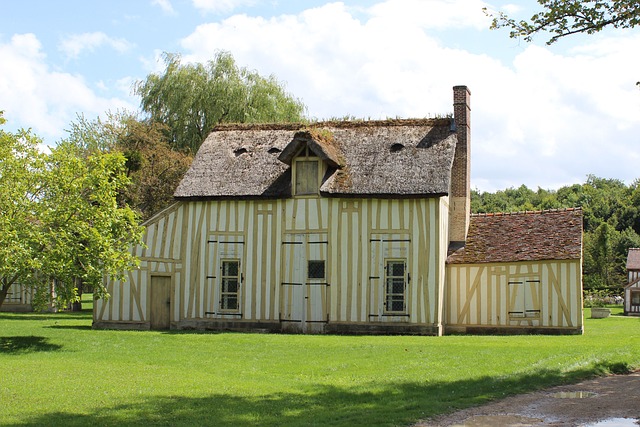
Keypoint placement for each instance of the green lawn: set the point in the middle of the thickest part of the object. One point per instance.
(56, 370)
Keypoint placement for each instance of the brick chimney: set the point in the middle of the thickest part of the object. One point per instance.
(460, 194)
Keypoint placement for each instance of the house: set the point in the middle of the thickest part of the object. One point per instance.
(632, 288)
(347, 227)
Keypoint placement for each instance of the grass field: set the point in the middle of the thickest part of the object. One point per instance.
(56, 370)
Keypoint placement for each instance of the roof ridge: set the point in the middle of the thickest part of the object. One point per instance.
(534, 212)
(340, 124)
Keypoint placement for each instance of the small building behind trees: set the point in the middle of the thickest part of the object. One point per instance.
(632, 288)
(347, 227)
(22, 297)
(19, 298)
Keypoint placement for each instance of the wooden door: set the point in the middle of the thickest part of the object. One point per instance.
(303, 293)
(160, 316)
(292, 286)
(315, 278)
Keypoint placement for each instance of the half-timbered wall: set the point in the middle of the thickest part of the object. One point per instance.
(275, 243)
(18, 298)
(543, 295)
(129, 305)
(632, 293)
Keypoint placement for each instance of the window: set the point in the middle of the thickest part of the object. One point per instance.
(306, 177)
(635, 298)
(524, 297)
(395, 286)
(230, 284)
(315, 270)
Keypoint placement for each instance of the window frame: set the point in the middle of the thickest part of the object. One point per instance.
(306, 155)
(634, 293)
(223, 304)
(389, 296)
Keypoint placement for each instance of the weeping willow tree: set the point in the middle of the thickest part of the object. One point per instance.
(190, 99)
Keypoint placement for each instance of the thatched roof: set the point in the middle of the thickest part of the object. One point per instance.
(523, 236)
(368, 158)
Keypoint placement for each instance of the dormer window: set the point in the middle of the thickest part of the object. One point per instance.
(311, 153)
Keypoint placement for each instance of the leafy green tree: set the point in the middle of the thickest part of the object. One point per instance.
(600, 258)
(60, 218)
(602, 200)
(21, 164)
(154, 168)
(630, 216)
(628, 239)
(561, 18)
(193, 98)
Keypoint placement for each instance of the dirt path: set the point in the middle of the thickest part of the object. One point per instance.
(614, 399)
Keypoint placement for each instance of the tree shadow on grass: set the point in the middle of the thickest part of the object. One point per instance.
(26, 344)
(63, 315)
(382, 404)
(74, 327)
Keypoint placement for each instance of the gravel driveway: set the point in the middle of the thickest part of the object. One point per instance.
(612, 401)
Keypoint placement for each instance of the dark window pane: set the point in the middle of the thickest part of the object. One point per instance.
(230, 268)
(315, 270)
(397, 269)
(397, 306)
(230, 302)
(395, 285)
(230, 285)
(398, 286)
(395, 303)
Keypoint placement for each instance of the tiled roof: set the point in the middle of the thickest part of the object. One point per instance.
(633, 259)
(523, 236)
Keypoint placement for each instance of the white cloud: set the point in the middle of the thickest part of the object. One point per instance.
(220, 6)
(546, 119)
(556, 118)
(125, 86)
(340, 65)
(511, 9)
(165, 5)
(432, 14)
(35, 96)
(74, 45)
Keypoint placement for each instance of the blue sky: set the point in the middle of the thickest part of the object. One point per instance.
(541, 116)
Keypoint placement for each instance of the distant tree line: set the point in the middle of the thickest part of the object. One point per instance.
(611, 211)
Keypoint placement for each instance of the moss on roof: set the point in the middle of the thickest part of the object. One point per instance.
(253, 160)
